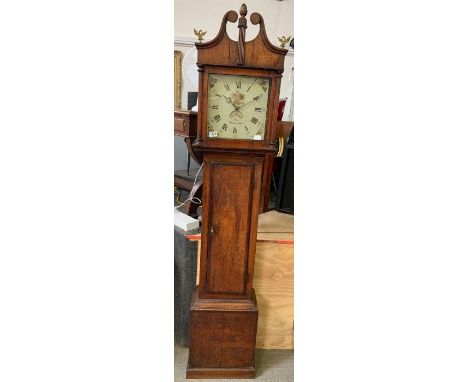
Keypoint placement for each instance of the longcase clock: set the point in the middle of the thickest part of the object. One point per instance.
(239, 85)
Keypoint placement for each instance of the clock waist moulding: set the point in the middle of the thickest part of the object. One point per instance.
(239, 86)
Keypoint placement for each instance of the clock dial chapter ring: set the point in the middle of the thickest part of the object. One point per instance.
(237, 106)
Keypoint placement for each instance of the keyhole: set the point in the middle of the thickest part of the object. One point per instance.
(212, 230)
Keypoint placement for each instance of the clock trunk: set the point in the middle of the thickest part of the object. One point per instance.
(223, 313)
(231, 200)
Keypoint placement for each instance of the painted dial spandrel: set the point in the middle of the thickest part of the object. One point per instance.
(237, 106)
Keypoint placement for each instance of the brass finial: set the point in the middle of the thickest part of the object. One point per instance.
(199, 34)
(283, 41)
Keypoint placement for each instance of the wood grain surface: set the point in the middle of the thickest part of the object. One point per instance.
(274, 285)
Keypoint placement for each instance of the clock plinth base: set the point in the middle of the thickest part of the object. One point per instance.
(223, 373)
(222, 338)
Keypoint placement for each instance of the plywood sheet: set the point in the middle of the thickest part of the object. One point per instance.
(274, 286)
(274, 226)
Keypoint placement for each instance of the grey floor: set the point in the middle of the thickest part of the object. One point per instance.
(271, 366)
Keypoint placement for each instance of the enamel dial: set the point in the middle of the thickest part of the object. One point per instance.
(237, 106)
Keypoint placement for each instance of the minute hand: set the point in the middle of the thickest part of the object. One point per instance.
(254, 99)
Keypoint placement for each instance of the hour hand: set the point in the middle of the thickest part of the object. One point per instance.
(228, 99)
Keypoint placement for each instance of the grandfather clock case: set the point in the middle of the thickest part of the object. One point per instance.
(239, 86)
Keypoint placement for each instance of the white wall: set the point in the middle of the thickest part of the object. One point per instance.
(207, 15)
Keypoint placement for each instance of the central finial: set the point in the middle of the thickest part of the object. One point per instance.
(242, 27)
(243, 10)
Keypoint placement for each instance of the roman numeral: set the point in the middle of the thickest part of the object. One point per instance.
(258, 109)
(214, 107)
(238, 84)
(217, 118)
(257, 97)
(247, 129)
(254, 120)
(234, 130)
(225, 127)
(227, 87)
(217, 95)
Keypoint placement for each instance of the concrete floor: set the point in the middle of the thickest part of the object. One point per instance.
(271, 366)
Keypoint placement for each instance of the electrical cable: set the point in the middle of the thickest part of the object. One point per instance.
(192, 198)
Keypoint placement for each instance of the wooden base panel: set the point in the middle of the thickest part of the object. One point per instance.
(222, 338)
(213, 373)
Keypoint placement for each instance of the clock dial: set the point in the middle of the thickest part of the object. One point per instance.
(237, 106)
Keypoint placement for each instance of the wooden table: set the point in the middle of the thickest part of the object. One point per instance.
(185, 125)
(273, 280)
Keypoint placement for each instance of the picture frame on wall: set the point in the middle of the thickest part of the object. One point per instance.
(177, 79)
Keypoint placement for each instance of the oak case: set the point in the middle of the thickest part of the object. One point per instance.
(231, 195)
(224, 313)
